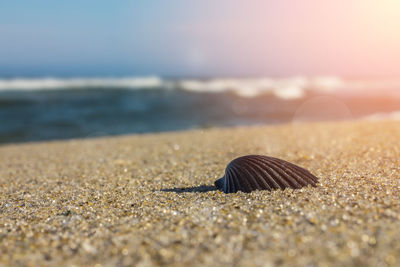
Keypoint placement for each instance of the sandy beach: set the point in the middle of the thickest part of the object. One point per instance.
(149, 199)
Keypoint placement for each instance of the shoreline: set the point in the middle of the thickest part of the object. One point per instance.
(367, 119)
(117, 200)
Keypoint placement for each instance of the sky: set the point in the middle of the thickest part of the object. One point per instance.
(200, 38)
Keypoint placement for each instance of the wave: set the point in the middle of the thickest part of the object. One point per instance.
(77, 83)
(284, 88)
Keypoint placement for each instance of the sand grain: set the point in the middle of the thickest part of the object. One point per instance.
(116, 201)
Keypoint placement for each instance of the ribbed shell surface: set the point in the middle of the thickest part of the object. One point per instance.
(256, 172)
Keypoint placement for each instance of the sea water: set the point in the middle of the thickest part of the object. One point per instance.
(34, 109)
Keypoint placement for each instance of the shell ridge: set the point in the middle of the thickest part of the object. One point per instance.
(263, 177)
(228, 180)
(290, 181)
(252, 178)
(309, 175)
(301, 173)
(306, 177)
(277, 177)
(235, 184)
(242, 175)
(244, 183)
(296, 180)
(266, 178)
(232, 176)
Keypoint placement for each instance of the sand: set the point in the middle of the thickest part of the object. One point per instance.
(148, 200)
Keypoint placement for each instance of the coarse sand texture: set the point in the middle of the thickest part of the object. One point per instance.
(149, 199)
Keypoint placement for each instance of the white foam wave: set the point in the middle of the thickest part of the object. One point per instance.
(57, 83)
(294, 87)
(285, 88)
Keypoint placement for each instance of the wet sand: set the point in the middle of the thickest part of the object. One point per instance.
(149, 200)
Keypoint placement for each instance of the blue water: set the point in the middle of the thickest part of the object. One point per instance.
(63, 114)
(36, 115)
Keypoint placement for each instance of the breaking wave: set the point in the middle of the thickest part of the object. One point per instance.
(283, 88)
(28, 112)
(78, 83)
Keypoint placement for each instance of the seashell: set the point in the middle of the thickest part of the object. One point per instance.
(256, 172)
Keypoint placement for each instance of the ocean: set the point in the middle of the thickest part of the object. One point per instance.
(37, 109)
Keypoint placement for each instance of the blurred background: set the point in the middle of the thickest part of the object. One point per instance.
(77, 69)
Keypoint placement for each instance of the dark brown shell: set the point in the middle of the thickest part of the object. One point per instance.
(255, 172)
